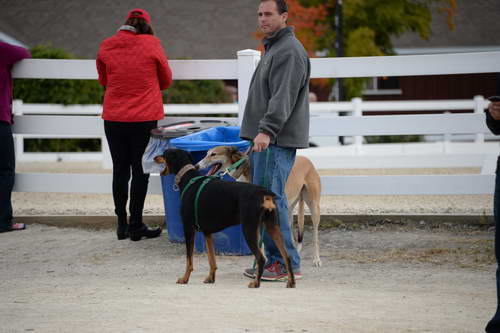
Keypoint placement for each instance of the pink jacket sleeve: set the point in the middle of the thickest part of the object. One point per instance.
(12, 54)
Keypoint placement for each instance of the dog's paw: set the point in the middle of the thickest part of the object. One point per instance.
(209, 280)
(299, 247)
(182, 281)
(317, 262)
(290, 284)
(253, 284)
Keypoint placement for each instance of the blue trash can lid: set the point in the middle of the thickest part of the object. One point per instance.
(183, 128)
(212, 137)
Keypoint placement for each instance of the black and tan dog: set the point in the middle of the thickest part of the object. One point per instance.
(218, 205)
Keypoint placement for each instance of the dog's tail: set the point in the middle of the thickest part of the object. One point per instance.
(300, 222)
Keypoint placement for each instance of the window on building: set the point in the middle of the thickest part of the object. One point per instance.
(385, 85)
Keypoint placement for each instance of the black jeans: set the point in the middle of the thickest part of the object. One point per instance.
(494, 324)
(7, 174)
(127, 143)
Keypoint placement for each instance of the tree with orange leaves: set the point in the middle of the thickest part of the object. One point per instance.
(368, 25)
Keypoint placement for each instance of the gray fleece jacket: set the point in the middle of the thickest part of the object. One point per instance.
(278, 98)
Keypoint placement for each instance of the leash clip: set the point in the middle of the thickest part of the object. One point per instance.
(224, 173)
(175, 187)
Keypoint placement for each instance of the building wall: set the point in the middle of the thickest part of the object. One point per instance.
(193, 29)
(464, 86)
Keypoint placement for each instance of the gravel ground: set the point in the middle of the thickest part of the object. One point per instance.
(385, 276)
(28, 204)
(374, 279)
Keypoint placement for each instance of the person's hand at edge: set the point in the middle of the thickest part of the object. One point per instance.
(261, 141)
(494, 109)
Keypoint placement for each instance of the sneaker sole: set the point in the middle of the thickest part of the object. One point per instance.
(281, 278)
(267, 279)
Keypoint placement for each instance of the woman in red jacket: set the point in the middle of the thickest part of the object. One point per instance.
(133, 68)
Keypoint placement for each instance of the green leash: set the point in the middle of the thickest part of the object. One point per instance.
(233, 167)
(264, 182)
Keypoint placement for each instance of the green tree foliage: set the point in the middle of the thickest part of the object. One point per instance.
(393, 139)
(369, 25)
(62, 145)
(90, 92)
(197, 91)
(56, 91)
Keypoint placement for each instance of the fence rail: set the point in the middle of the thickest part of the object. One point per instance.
(477, 104)
(326, 124)
(356, 107)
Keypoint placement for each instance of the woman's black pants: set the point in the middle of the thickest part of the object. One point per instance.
(7, 174)
(127, 142)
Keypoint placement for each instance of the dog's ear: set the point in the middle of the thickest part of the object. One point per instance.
(235, 154)
(160, 159)
(232, 149)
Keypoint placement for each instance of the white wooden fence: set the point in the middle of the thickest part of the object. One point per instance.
(356, 107)
(326, 125)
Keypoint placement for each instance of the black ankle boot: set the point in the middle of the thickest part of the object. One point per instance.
(122, 228)
(139, 230)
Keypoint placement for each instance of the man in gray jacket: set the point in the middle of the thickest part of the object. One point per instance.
(276, 119)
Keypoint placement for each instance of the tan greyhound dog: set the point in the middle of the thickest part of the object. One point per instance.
(303, 185)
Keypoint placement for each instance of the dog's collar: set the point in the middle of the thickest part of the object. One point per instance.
(182, 172)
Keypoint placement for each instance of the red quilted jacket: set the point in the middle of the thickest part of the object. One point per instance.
(134, 70)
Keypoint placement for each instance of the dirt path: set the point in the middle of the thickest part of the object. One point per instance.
(373, 279)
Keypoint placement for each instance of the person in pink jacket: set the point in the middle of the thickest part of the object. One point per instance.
(9, 55)
(133, 68)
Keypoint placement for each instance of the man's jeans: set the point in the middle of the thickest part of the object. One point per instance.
(270, 169)
(494, 324)
(7, 172)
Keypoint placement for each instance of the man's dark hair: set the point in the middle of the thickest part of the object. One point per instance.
(281, 5)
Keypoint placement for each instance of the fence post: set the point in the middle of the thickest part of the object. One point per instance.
(247, 62)
(336, 139)
(107, 163)
(17, 109)
(479, 104)
(357, 111)
(19, 147)
(447, 139)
